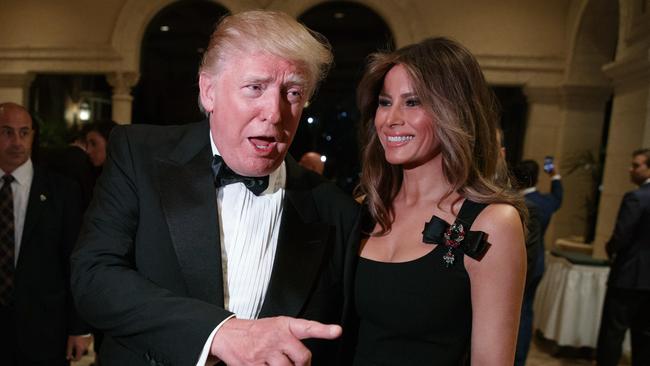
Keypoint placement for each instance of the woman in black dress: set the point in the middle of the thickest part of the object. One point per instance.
(441, 275)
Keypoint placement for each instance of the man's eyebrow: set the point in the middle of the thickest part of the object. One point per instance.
(257, 79)
(295, 79)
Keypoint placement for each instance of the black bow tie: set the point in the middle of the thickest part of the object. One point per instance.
(223, 176)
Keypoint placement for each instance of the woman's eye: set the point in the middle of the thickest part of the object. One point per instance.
(384, 102)
(412, 102)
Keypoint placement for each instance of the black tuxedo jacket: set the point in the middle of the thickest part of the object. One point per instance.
(147, 270)
(43, 308)
(630, 243)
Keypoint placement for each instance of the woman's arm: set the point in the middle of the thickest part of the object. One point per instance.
(497, 282)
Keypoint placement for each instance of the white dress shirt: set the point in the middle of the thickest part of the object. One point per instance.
(23, 176)
(248, 229)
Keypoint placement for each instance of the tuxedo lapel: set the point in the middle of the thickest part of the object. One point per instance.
(302, 243)
(188, 199)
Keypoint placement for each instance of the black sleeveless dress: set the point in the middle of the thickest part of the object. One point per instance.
(419, 312)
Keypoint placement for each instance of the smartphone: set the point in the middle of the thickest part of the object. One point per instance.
(548, 164)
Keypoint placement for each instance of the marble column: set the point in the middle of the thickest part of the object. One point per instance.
(629, 130)
(580, 143)
(122, 82)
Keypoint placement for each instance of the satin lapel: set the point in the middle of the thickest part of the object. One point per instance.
(302, 243)
(38, 196)
(188, 199)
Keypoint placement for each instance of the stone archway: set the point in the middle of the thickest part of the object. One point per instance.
(402, 19)
(582, 99)
(593, 43)
(629, 127)
(126, 40)
(134, 18)
(171, 51)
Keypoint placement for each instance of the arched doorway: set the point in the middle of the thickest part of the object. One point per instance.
(172, 46)
(513, 108)
(329, 124)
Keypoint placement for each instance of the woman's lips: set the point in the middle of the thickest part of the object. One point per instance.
(398, 140)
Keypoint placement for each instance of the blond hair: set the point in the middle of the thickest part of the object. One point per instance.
(268, 31)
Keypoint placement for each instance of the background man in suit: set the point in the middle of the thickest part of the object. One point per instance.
(627, 300)
(181, 258)
(39, 218)
(71, 161)
(541, 207)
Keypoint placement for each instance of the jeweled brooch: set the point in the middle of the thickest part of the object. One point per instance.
(454, 234)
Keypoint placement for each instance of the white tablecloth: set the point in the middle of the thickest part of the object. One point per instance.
(569, 302)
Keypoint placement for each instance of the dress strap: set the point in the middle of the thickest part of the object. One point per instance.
(468, 212)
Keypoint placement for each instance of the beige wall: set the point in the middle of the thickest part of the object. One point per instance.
(508, 27)
(69, 23)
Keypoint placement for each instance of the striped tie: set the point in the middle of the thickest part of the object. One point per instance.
(7, 239)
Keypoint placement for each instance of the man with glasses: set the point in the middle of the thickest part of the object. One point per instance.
(40, 214)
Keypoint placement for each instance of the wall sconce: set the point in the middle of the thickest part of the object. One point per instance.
(84, 112)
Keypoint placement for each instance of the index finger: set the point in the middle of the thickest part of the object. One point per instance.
(302, 329)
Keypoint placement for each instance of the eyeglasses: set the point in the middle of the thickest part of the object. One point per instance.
(7, 133)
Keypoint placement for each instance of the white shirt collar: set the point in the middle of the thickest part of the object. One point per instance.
(24, 174)
(277, 178)
(528, 190)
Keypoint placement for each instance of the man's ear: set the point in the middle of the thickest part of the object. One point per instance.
(206, 90)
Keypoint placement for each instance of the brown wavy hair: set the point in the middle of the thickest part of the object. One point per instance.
(449, 82)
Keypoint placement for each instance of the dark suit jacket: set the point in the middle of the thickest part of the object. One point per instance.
(630, 243)
(44, 312)
(147, 269)
(72, 162)
(547, 203)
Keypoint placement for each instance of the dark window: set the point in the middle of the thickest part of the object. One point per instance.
(354, 31)
(172, 47)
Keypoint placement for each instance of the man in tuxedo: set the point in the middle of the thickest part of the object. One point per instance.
(541, 207)
(206, 240)
(627, 299)
(40, 217)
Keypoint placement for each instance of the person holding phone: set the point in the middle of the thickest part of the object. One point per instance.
(526, 174)
(548, 164)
